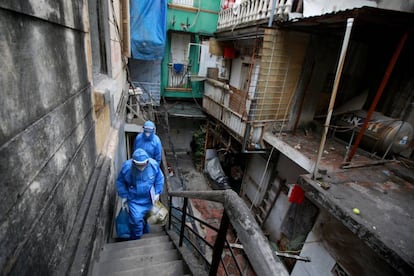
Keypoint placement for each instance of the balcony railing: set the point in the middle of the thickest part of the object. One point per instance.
(188, 3)
(249, 11)
(179, 75)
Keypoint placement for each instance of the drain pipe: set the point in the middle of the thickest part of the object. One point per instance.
(273, 12)
(350, 22)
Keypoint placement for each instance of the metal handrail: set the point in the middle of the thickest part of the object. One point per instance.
(194, 231)
(194, 246)
(199, 220)
(217, 247)
(233, 256)
(260, 254)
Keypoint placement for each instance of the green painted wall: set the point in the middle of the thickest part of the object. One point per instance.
(199, 23)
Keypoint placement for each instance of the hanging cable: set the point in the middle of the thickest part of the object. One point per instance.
(196, 17)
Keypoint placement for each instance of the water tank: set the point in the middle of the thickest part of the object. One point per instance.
(380, 133)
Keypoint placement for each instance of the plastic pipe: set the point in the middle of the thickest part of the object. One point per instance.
(273, 12)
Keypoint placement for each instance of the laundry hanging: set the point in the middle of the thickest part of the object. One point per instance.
(178, 68)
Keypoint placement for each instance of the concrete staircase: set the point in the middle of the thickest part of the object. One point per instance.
(153, 254)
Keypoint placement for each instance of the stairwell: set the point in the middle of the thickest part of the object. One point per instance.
(153, 254)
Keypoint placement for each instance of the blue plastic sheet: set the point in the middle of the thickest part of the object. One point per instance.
(148, 28)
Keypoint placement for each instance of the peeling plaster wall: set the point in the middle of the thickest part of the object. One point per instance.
(47, 132)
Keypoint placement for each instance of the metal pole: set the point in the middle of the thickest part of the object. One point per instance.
(350, 22)
(183, 219)
(169, 214)
(219, 244)
(272, 13)
(381, 88)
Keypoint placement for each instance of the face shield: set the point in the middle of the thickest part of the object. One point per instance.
(148, 131)
(140, 165)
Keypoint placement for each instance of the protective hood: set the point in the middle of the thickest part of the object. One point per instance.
(140, 156)
(149, 130)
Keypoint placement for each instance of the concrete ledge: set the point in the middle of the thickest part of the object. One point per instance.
(379, 225)
(293, 154)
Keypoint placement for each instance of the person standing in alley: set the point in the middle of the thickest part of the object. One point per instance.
(149, 141)
(139, 184)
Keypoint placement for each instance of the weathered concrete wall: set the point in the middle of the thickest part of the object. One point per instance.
(330, 242)
(256, 180)
(47, 135)
(286, 169)
(181, 131)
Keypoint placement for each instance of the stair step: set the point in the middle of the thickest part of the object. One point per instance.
(151, 235)
(137, 262)
(135, 251)
(156, 228)
(174, 268)
(136, 243)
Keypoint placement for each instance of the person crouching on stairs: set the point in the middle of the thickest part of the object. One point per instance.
(139, 183)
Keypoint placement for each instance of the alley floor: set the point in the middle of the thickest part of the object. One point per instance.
(211, 212)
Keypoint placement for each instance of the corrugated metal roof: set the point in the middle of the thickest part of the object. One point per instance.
(185, 109)
(368, 20)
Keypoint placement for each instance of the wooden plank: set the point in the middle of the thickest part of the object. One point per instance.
(293, 154)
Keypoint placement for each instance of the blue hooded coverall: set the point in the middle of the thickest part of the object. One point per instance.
(135, 185)
(151, 143)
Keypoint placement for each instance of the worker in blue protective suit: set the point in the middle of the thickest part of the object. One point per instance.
(134, 182)
(149, 141)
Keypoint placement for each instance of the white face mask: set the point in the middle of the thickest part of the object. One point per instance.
(147, 134)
